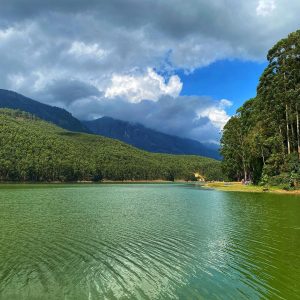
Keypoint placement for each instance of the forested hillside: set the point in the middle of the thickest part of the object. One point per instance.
(134, 134)
(56, 115)
(262, 141)
(148, 139)
(34, 150)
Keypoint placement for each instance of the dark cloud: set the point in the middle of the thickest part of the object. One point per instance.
(233, 25)
(182, 116)
(63, 51)
(64, 92)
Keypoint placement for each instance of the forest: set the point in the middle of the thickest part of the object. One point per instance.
(38, 151)
(261, 142)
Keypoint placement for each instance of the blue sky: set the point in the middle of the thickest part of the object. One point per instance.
(235, 80)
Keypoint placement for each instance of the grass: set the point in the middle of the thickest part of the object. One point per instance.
(239, 187)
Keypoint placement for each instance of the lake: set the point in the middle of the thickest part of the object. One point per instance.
(147, 241)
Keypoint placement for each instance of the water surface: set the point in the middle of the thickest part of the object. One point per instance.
(154, 241)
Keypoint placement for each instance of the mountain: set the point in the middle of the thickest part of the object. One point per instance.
(35, 150)
(134, 134)
(56, 115)
(149, 139)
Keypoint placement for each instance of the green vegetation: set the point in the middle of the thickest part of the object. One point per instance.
(261, 143)
(34, 150)
(249, 188)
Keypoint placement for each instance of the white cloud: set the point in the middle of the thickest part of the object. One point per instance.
(149, 86)
(265, 7)
(89, 50)
(5, 33)
(224, 103)
(216, 114)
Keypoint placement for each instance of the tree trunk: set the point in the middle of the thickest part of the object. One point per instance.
(244, 168)
(287, 116)
(298, 131)
(262, 155)
(293, 138)
(287, 129)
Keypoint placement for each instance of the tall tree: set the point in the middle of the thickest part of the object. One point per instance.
(265, 131)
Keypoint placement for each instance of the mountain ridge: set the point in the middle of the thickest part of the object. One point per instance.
(53, 114)
(134, 134)
(148, 139)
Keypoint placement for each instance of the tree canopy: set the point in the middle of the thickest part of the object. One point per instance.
(34, 150)
(262, 141)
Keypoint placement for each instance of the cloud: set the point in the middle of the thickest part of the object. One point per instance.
(82, 50)
(105, 57)
(196, 117)
(217, 113)
(118, 36)
(224, 103)
(64, 92)
(265, 7)
(148, 86)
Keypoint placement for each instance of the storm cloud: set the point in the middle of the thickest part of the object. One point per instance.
(105, 57)
(185, 116)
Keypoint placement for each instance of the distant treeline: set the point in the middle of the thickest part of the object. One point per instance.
(262, 141)
(34, 150)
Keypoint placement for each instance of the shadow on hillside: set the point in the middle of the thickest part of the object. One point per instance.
(70, 133)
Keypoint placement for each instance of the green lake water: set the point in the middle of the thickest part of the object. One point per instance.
(147, 241)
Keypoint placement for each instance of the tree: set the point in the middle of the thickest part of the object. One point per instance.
(264, 134)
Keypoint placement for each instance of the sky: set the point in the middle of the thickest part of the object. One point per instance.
(181, 67)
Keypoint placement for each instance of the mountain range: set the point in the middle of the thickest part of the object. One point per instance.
(131, 133)
(148, 139)
(56, 115)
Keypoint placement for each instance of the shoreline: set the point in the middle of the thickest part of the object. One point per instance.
(239, 187)
(158, 181)
(214, 185)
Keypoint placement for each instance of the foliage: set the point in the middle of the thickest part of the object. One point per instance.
(263, 139)
(34, 150)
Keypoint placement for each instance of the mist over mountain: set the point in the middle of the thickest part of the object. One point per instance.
(148, 139)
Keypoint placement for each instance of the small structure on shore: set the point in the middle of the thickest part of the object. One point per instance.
(199, 177)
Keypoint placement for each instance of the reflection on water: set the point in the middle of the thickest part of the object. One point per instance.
(147, 242)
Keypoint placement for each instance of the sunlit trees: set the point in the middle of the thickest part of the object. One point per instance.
(264, 135)
(34, 150)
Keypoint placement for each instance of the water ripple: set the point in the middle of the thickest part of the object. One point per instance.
(160, 242)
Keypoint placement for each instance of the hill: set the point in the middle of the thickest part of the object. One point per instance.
(56, 115)
(35, 150)
(148, 139)
(134, 134)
